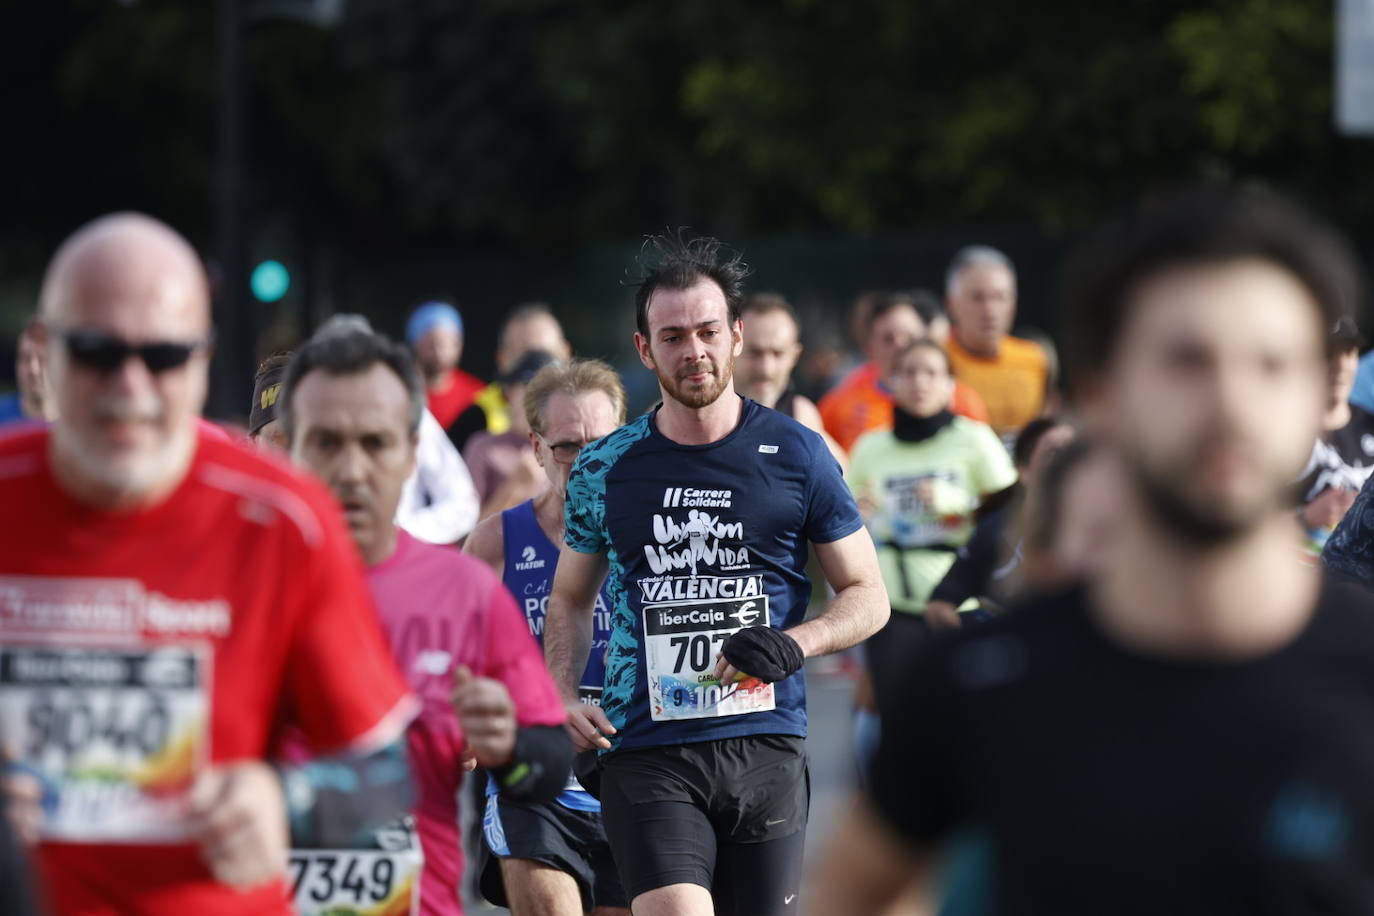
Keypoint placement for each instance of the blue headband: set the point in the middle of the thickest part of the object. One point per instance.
(430, 316)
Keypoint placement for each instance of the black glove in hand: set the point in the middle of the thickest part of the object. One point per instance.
(766, 653)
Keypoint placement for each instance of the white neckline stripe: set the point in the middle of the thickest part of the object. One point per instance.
(275, 495)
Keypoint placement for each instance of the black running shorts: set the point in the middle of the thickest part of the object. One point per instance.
(728, 815)
(570, 841)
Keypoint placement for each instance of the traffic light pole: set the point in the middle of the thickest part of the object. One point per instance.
(235, 313)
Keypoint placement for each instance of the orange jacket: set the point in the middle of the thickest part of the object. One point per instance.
(1012, 384)
(859, 403)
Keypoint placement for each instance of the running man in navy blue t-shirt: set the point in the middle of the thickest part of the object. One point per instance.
(702, 512)
(552, 858)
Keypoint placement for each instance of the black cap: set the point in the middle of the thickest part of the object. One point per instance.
(1345, 333)
(525, 368)
(266, 391)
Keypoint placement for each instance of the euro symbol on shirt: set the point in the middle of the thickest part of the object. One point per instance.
(747, 614)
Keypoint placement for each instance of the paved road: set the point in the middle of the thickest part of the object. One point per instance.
(831, 747)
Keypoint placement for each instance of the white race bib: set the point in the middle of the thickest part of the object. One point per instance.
(681, 642)
(360, 882)
(116, 734)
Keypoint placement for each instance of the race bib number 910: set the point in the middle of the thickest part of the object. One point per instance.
(116, 735)
(681, 642)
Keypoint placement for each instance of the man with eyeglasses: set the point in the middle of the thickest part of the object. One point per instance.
(552, 859)
(169, 601)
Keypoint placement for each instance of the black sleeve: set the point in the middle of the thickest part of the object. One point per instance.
(539, 769)
(16, 894)
(971, 574)
(913, 779)
(1349, 553)
(472, 420)
(341, 801)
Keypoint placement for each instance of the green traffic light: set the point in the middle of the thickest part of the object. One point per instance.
(270, 281)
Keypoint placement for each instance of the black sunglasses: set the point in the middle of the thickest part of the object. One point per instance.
(105, 353)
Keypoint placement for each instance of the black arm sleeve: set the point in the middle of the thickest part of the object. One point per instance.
(971, 574)
(539, 768)
(1349, 553)
(16, 895)
(339, 802)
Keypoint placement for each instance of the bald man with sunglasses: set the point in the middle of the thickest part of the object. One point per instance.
(170, 602)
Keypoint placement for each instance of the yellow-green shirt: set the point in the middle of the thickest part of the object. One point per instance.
(919, 498)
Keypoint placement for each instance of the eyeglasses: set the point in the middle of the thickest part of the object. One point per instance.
(563, 452)
(102, 352)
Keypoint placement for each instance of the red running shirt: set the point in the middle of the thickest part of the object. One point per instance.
(247, 562)
(453, 396)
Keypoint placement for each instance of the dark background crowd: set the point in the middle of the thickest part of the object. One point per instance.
(498, 152)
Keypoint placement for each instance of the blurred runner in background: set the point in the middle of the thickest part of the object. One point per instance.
(552, 859)
(989, 568)
(31, 399)
(528, 327)
(918, 485)
(772, 346)
(352, 403)
(1343, 458)
(434, 332)
(862, 402)
(503, 465)
(172, 600)
(1010, 374)
(264, 426)
(1185, 734)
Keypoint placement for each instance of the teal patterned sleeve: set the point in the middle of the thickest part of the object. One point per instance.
(585, 509)
(584, 512)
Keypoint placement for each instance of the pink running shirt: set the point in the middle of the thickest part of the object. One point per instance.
(441, 609)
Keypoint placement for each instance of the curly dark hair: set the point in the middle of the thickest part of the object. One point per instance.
(674, 261)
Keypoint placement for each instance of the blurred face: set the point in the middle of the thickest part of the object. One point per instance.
(1050, 443)
(271, 437)
(891, 333)
(537, 332)
(515, 400)
(439, 350)
(921, 384)
(1344, 365)
(982, 305)
(1215, 395)
(570, 422)
(125, 427)
(771, 351)
(691, 344)
(33, 382)
(352, 431)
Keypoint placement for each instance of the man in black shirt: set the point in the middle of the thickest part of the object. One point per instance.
(1188, 732)
(1343, 457)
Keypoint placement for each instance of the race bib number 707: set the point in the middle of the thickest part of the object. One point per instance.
(681, 642)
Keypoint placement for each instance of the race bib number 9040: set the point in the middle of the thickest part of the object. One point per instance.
(116, 735)
(681, 642)
(360, 882)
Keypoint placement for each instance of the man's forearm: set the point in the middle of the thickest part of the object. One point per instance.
(567, 643)
(854, 614)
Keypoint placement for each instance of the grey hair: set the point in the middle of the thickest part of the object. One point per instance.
(973, 255)
(347, 345)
